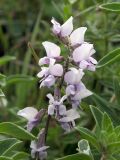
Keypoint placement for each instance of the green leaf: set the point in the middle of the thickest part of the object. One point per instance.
(14, 147)
(107, 124)
(21, 156)
(5, 59)
(76, 157)
(83, 147)
(105, 106)
(5, 158)
(6, 144)
(117, 89)
(113, 147)
(111, 137)
(117, 130)
(16, 131)
(112, 7)
(97, 114)
(89, 136)
(110, 58)
(18, 79)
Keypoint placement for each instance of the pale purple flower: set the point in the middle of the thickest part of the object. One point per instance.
(48, 81)
(77, 36)
(73, 76)
(71, 115)
(55, 106)
(46, 60)
(32, 115)
(88, 64)
(75, 89)
(62, 30)
(52, 51)
(82, 56)
(49, 74)
(44, 72)
(56, 70)
(38, 147)
(72, 91)
(80, 92)
(68, 121)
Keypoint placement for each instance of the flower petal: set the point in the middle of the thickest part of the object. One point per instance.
(51, 98)
(78, 74)
(83, 64)
(67, 27)
(91, 67)
(49, 81)
(52, 49)
(83, 52)
(71, 115)
(74, 76)
(43, 72)
(56, 70)
(62, 110)
(56, 27)
(70, 90)
(77, 36)
(69, 77)
(63, 98)
(29, 113)
(42, 148)
(83, 94)
(37, 119)
(92, 60)
(51, 109)
(46, 60)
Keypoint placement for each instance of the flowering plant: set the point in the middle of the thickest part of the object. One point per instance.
(62, 74)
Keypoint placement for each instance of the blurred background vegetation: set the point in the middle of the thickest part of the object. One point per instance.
(29, 21)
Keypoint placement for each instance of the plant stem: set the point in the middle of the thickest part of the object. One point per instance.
(103, 157)
(47, 126)
(33, 52)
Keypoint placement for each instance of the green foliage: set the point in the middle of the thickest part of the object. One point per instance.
(7, 145)
(112, 7)
(5, 158)
(83, 147)
(76, 157)
(15, 79)
(89, 136)
(16, 131)
(6, 59)
(110, 58)
(117, 89)
(21, 156)
(107, 137)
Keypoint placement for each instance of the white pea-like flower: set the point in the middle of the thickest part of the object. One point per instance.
(62, 30)
(32, 115)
